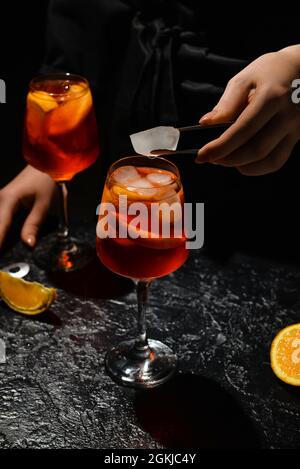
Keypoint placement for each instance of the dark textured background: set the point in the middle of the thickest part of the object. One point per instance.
(219, 317)
(21, 51)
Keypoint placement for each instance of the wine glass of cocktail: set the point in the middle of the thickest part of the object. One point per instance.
(60, 138)
(143, 250)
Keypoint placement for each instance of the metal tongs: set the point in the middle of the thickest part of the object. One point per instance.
(170, 140)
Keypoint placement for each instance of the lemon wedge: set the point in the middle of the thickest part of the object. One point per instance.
(43, 100)
(28, 298)
(70, 113)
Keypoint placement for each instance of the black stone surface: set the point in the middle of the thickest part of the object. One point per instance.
(219, 318)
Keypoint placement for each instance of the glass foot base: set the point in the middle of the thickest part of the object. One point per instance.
(53, 256)
(126, 368)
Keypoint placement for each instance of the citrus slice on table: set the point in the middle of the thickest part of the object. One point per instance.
(285, 355)
(25, 297)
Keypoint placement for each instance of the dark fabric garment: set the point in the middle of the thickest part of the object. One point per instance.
(155, 62)
(167, 62)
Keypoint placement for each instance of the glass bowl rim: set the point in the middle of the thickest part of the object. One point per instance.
(155, 158)
(59, 76)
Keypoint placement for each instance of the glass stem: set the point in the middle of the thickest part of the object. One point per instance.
(141, 348)
(63, 228)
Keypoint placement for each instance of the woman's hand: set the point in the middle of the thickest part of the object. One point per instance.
(32, 189)
(267, 122)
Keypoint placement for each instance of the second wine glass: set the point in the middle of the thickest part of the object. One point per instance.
(157, 247)
(60, 138)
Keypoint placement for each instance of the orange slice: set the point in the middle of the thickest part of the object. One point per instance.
(75, 89)
(69, 114)
(44, 101)
(285, 355)
(38, 104)
(28, 298)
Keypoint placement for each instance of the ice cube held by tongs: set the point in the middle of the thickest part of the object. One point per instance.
(170, 140)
